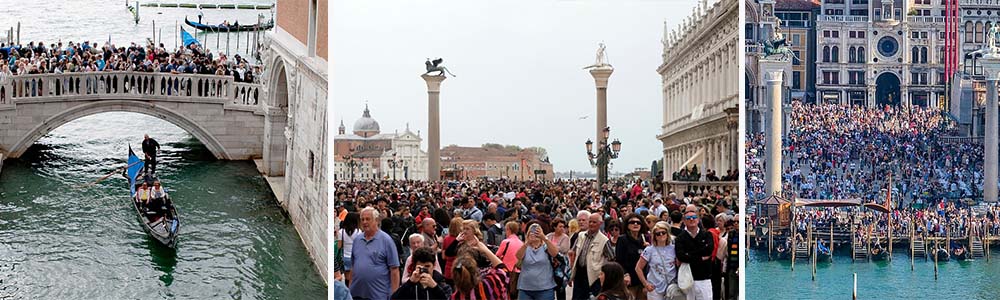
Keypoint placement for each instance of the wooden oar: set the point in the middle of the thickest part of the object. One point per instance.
(109, 175)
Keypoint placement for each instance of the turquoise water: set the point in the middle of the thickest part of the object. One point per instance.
(61, 238)
(876, 280)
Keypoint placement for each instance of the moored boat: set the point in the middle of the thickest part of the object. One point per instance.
(942, 254)
(229, 27)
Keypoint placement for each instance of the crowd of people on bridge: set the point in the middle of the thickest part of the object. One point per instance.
(564, 239)
(848, 152)
(58, 58)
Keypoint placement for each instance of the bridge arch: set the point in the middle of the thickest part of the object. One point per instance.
(80, 111)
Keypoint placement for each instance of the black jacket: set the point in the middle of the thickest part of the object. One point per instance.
(627, 253)
(414, 291)
(149, 147)
(691, 249)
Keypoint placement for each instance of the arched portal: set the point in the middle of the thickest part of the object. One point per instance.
(887, 89)
(276, 120)
(93, 108)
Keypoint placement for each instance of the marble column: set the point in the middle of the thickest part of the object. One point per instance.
(601, 75)
(991, 66)
(773, 71)
(433, 126)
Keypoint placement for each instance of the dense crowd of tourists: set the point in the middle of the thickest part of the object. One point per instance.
(487, 239)
(70, 57)
(848, 152)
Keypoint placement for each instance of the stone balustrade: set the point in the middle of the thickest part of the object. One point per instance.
(132, 85)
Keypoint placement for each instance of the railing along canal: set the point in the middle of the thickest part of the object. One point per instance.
(156, 86)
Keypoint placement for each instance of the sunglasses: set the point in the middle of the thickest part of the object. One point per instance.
(691, 218)
(634, 222)
(659, 233)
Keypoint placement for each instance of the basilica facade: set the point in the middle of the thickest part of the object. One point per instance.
(368, 154)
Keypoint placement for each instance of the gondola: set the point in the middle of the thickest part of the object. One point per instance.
(879, 253)
(230, 28)
(823, 253)
(960, 253)
(942, 254)
(782, 251)
(162, 223)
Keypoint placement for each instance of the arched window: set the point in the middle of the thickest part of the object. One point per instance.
(852, 57)
(979, 32)
(968, 31)
(826, 53)
(835, 54)
(861, 54)
(985, 29)
(923, 55)
(915, 55)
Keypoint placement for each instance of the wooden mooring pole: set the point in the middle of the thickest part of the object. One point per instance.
(936, 246)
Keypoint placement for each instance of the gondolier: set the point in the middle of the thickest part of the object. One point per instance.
(149, 147)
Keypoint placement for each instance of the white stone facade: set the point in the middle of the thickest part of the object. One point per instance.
(298, 90)
(861, 43)
(700, 74)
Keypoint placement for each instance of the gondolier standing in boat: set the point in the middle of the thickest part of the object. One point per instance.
(149, 147)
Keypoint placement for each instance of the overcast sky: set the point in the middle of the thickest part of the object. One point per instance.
(519, 71)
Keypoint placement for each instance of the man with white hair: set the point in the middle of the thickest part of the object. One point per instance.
(416, 241)
(374, 252)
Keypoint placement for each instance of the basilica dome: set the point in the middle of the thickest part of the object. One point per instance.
(366, 126)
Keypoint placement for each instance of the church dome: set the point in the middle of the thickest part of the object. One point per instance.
(366, 126)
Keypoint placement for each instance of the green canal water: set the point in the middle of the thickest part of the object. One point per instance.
(876, 280)
(61, 238)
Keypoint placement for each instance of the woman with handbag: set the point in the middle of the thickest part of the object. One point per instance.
(662, 261)
(535, 261)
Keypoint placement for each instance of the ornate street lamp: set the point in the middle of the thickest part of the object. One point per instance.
(605, 153)
(393, 163)
(350, 162)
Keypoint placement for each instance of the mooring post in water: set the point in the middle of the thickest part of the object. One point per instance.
(177, 36)
(227, 40)
(154, 31)
(770, 240)
(855, 294)
(18, 32)
(936, 246)
(912, 243)
(794, 247)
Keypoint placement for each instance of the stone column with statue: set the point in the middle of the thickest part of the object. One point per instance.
(433, 115)
(991, 65)
(776, 59)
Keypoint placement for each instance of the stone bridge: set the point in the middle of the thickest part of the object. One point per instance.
(233, 119)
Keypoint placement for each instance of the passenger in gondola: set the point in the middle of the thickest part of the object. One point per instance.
(143, 194)
(158, 191)
(149, 147)
(822, 247)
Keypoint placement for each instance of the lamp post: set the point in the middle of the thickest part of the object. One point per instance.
(350, 162)
(605, 153)
(393, 163)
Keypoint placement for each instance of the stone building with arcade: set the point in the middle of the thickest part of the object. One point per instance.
(700, 88)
